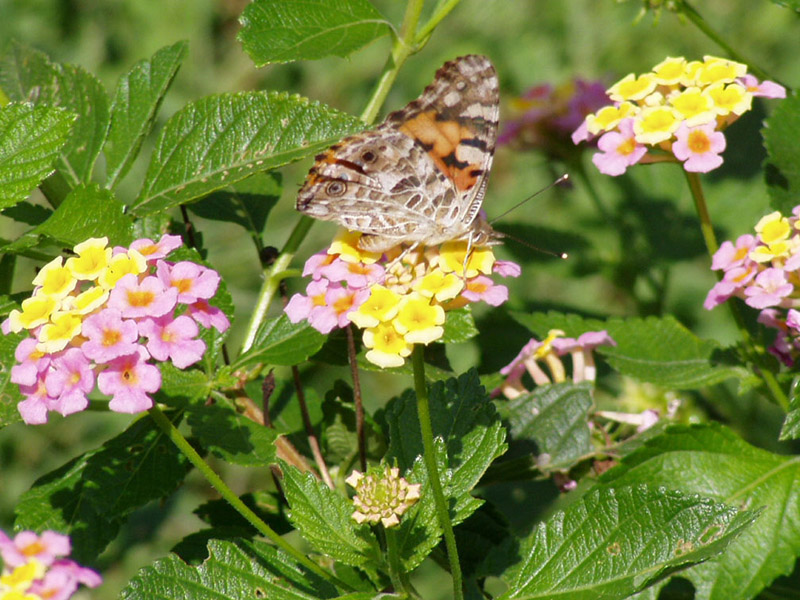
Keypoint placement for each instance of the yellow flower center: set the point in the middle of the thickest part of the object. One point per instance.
(698, 142)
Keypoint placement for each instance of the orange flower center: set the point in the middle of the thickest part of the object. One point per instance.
(110, 337)
(698, 142)
(141, 299)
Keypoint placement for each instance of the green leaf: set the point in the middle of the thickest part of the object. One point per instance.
(793, 4)
(459, 326)
(615, 541)
(278, 341)
(781, 132)
(136, 102)
(324, 518)
(180, 387)
(27, 75)
(90, 496)
(472, 436)
(87, 211)
(222, 139)
(276, 31)
(30, 142)
(712, 461)
(656, 350)
(232, 436)
(10, 395)
(248, 203)
(791, 424)
(556, 418)
(240, 571)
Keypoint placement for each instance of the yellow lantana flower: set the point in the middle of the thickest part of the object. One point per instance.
(419, 321)
(55, 279)
(382, 305)
(93, 257)
(387, 348)
(36, 310)
(120, 265)
(59, 332)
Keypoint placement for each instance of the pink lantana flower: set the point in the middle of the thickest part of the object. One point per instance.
(699, 147)
(356, 275)
(37, 403)
(731, 255)
(483, 288)
(764, 89)
(193, 282)
(128, 380)
(146, 298)
(70, 379)
(109, 336)
(62, 580)
(30, 363)
(174, 339)
(209, 316)
(27, 545)
(154, 250)
(506, 268)
(618, 150)
(770, 287)
(344, 299)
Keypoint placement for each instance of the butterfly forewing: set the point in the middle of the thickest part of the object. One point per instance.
(421, 175)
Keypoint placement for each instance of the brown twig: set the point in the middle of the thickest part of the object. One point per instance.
(351, 354)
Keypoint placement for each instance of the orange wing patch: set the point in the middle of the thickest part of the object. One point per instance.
(441, 140)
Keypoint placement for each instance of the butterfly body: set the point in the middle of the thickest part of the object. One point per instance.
(420, 176)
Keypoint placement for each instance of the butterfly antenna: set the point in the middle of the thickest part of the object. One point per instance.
(503, 234)
(561, 179)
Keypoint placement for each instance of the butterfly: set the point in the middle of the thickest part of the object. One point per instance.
(420, 176)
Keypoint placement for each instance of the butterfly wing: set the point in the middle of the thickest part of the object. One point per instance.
(421, 175)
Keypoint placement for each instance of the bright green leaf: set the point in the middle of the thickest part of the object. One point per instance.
(222, 139)
(87, 211)
(556, 418)
(459, 326)
(791, 424)
(180, 387)
(627, 537)
(793, 4)
(656, 350)
(136, 102)
(232, 436)
(278, 341)
(31, 139)
(27, 75)
(781, 132)
(324, 517)
(285, 30)
(240, 571)
(711, 460)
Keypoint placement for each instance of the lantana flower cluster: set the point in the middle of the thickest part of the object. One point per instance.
(399, 298)
(680, 108)
(545, 116)
(548, 352)
(382, 495)
(764, 271)
(102, 317)
(35, 567)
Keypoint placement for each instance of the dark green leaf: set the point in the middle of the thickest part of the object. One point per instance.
(136, 102)
(459, 326)
(87, 211)
(222, 139)
(556, 418)
(241, 571)
(10, 395)
(27, 75)
(180, 387)
(278, 341)
(31, 139)
(286, 30)
(248, 203)
(28, 213)
(324, 517)
(90, 496)
(781, 132)
(712, 461)
(659, 351)
(232, 436)
(791, 424)
(627, 537)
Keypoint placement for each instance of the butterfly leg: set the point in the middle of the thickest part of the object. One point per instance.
(401, 256)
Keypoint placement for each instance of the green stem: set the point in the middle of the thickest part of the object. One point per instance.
(699, 22)
(711, 245)
(272, 279)
(442, 10)
(424, 414)
(216, 482)
(397, 574)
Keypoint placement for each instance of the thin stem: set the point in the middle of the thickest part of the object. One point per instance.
(699, 22)
(187, 224)
(397, 574)
(749, 346)
(351, 355)
(440, 13)
(216, 482)
(313, 442)
(424, 414)
(402, 48)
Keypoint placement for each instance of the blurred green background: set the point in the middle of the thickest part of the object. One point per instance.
(529, 42)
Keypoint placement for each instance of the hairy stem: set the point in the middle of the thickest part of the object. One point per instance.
(359, 405)
(216, 482)
(424, 414)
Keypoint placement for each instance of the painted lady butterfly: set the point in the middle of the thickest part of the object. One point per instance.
(421, 175)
